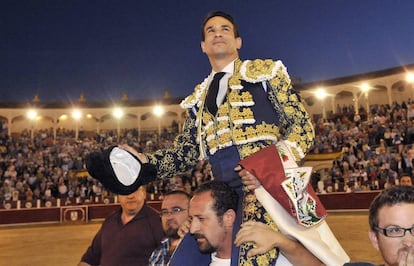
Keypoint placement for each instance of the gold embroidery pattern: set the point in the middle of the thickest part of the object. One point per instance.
(237, 112)
(182, 157)
(250, 148)
(258, 132)
(194, 98)
(258, 70)
(296, 122)
(254, 211)
(224, 137)
(240, 99)
(223, 111)
(242, 116)
(299, 130)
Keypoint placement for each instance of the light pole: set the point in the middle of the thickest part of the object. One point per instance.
(365, 89)
(321, 95)
(410, 79)
(158, 111)
(118, 113)
(76, 115)
(32, 115)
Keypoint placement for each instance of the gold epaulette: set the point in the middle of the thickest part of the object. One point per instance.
(259, 70)
(194, 98)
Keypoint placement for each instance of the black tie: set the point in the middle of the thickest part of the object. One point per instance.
(211, 99)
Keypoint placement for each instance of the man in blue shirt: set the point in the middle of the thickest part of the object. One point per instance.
(174, 212)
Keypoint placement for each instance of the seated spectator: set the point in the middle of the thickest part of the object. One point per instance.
(128, 236)
(405, 180)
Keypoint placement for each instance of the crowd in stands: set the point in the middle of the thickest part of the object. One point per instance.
(41, 168)
(375, 150)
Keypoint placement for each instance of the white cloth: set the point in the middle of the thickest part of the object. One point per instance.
(318, 239)
(125, 166)
(219, 262)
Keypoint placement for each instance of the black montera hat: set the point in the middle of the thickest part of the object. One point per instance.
(119, 171)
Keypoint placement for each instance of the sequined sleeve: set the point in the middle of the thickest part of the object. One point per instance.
(184, 154)
(298, 130)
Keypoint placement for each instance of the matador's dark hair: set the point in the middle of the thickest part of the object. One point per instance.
(222, 14)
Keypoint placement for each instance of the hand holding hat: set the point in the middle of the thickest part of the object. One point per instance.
(119, 170)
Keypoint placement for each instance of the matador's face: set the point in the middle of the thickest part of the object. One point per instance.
(220, 40)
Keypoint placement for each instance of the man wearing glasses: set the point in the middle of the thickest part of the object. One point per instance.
(391, 220)
(174, 212)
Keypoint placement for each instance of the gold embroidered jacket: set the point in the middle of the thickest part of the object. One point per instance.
(237, 121)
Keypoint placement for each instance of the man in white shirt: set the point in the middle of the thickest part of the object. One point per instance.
(212, 214)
